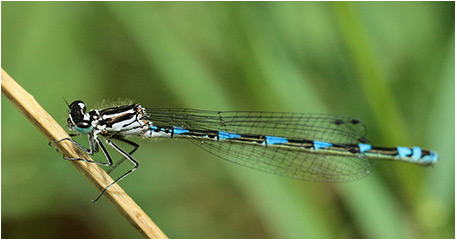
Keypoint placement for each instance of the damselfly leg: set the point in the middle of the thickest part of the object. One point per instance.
(127, 156)
(135, 147)
(95, 144)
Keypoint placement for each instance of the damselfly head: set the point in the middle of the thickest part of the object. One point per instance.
(77, 118)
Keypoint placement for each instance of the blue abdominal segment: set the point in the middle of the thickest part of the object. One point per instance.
(226, 135)
(364, 147)
(271, 140)
(179, 131)
(321, 144)
(417, 153)
(430, 159)
(403, 152)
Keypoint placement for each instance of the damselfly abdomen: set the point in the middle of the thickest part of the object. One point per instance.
(312, 147)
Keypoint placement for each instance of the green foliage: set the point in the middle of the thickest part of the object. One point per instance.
(390, 64)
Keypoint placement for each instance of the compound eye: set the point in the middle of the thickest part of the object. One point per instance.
(83, 124)
(77, 106)
(84, 127)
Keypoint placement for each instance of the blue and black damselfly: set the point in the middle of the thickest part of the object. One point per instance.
(311, 147)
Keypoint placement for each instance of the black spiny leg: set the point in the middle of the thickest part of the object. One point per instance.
(94, 143)
(127, 156)
(135, 147)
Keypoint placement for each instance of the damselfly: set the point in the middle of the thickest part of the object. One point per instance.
(312, 147)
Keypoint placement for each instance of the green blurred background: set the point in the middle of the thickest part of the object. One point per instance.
(390, 64)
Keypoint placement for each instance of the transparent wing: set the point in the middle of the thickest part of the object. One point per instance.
(282, 161)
